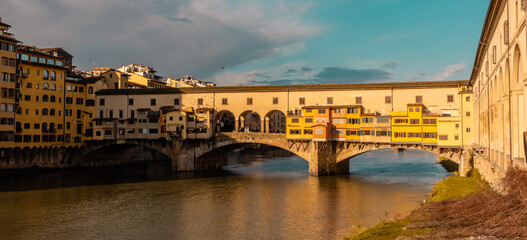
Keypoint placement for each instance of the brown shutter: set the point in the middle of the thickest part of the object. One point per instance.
(506, 30)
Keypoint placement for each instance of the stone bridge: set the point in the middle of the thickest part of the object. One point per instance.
(324, 158)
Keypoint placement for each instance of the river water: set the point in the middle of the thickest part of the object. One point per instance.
(259, 194)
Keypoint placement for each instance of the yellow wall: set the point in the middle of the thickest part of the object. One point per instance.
(32, 116)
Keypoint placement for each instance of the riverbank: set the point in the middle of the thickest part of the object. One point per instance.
(463, 208)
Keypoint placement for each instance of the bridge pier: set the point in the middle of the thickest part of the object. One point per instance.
(322, 160)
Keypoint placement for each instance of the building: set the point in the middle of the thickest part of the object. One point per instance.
(499, 79)
(188, 81)
(40, 114)
(143, 76)
(8, 85)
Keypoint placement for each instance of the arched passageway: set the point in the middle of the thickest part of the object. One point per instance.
(250, 122)
(274, 122)
(224, 121)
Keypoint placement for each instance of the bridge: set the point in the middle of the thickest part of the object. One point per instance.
(324, 158)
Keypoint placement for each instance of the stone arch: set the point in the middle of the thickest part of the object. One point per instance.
(351, 153)
(250, 121)
(224, 121)
(274, 122)
(26, 155)
(112, 152)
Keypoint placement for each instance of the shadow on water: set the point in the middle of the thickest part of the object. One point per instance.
(144, 171)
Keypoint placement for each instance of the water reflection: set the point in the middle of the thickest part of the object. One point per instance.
(260, 195)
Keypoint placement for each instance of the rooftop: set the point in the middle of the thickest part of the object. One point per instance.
(281, 88)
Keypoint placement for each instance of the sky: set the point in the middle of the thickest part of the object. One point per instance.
(254, 42)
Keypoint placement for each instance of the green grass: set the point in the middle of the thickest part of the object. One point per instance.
(456, 187)
(389, 231)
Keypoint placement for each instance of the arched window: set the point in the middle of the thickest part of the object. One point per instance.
(52, 75)
(19, 110)
(52, 112)
(60, 88)
(44, 127)
(45, 86)
(90, 90)
(45, 75)
(52, 127)
(52, 98)
(45, 112)
(45, 98)
(52, 87)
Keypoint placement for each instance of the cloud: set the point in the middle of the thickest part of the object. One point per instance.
(295, 7)
(328, 75)
(449, 71)
(300, 70)
(175, 19)
(347, 75)
(390, 64)
(217, 33)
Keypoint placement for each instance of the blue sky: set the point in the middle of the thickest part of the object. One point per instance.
(262, 42)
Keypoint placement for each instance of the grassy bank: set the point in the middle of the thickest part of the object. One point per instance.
(450, 188)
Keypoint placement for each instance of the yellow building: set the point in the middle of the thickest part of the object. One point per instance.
(415, 125)
(39, 116)
(75, 118)
(8, 87)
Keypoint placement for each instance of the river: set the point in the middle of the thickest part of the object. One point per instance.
(259, 194)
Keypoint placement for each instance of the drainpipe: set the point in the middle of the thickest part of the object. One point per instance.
(509, 90)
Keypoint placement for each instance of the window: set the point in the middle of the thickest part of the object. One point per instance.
(36, 126)
(358, 100)
(457, 125)
(110, 113)
(337, 110)
(27, 126)
(101, 102)
(322, 111)
(130, 102)
(330, 100)
(249, 101)
(45, 111)
(79, 101)
(45, 75)
(68, 112)
(224, 101)
(200, 101)
(52, 76)
(383, 120)
(353, 110)
(52, 112)
(417, 109)
(152, 102)
(302, 101)
(275, 101)
(294, 131)
(468, 130)
(338, 120)
(414, 121)
(51, 61)
(387, 99)
(443, 137)
(430, 135)
(467, 99)
(367, 119)
(456, 137)
(353, 120)
(319, 131)
(418, 99)
(309, 120)
(450, 98)
(69, 100)
(400, 120)
(27, 97)
(308, 131)
(467, 114)
(176, 101)
(399, 135)
(308, 110)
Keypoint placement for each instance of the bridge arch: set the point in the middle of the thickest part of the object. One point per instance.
(224, 121)
(274, 122)
(250, 121)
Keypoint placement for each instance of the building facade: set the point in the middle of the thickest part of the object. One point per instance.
(499, 79)
(8, 86)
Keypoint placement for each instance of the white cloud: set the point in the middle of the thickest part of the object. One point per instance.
(449, 71)
(196, 37)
